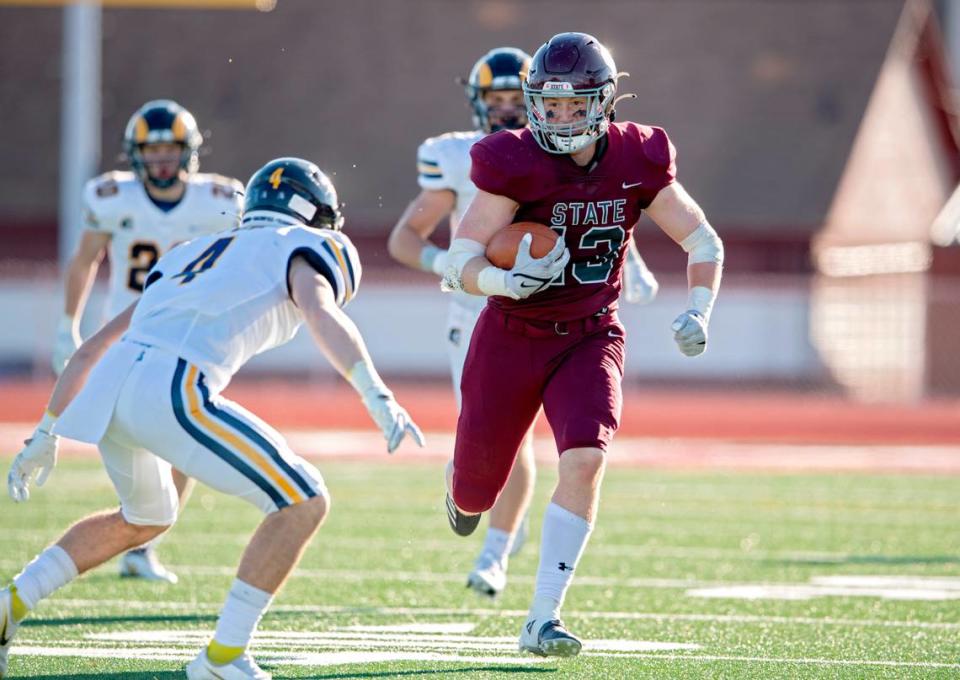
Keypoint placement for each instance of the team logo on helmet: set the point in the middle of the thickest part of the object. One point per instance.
(296, 188)
(502, 68)
(162, 121)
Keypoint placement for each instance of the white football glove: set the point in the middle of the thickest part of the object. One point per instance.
(690, 332)
(392, 419)
(640, 287)
(530, 274)
(65, 344)
(35, 461)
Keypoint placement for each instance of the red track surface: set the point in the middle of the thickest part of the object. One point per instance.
(779, 417)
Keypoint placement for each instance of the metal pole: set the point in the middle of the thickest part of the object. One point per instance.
(951, 24)
(79, 116)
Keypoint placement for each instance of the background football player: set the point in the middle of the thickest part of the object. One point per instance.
(494, 93)
(549, 336)
(136, 216)
(443, 164)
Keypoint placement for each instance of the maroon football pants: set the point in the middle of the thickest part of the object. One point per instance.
(573, 369)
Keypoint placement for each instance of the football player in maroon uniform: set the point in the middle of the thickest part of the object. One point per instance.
(549, 335)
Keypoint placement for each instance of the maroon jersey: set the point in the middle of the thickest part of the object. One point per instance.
(593, 208)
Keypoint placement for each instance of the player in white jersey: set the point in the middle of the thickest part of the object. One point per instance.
(494, 92)
(152, 401)
(135, 217)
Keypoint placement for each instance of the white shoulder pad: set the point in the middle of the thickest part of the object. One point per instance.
(443, 162)
(223, 194)
(105, 198)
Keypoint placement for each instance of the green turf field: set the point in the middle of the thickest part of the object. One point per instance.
(660, 593)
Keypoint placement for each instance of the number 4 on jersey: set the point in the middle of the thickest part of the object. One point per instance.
(205, 260)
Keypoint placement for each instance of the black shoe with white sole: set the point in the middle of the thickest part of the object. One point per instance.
(548, 638)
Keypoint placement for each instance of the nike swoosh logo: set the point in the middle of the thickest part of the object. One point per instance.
(524, 284)
(630, 186)
(614, 335)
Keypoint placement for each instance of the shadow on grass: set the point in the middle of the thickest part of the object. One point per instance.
(120, 618)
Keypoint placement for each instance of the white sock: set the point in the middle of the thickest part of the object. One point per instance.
(497, 545)
(240, 614)
(564, 538)
(50, 570)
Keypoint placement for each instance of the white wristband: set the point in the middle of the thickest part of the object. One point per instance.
(47, 422)
(462, 250)
(493, 281)
(700, 299)
(364, 378)
(433, 259)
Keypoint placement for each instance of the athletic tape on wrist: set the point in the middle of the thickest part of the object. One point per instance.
(700, 299)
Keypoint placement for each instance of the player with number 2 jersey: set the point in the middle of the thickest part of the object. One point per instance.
(138, 215)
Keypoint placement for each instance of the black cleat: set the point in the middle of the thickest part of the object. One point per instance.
(462, 525)
(548, 639)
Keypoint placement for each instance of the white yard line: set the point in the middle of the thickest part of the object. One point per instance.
(788, 660)
(371, 656)
(138, 605)
(17, 536)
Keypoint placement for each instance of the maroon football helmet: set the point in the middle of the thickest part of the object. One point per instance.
(570, 65)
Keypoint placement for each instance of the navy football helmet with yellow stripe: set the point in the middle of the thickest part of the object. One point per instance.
(502, 68)
(297, 188)
(162, 121)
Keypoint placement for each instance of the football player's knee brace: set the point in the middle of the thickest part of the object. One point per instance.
(462, 250)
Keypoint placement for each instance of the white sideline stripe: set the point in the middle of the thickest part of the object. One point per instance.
(788, 660)
(285, 659)
(17, 536)
(334, 658)
(338, 638)
(512, 613)
(621, 550)
(889, 581)
(885, 587)
(695, 588)
(425, 576)
(442, 628)
(799, 593)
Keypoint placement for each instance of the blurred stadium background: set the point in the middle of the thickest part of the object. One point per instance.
(820, 137)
